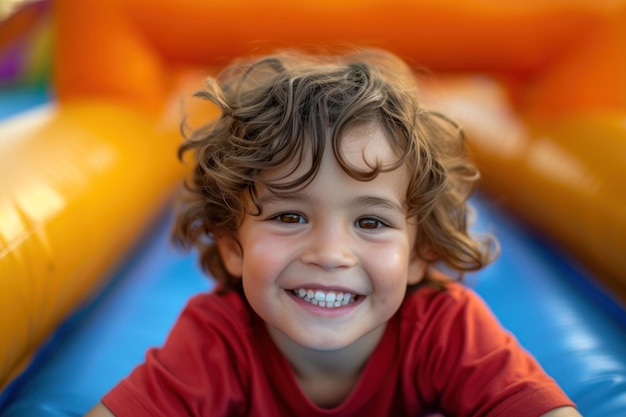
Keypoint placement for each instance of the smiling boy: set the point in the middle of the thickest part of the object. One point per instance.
(322, 200)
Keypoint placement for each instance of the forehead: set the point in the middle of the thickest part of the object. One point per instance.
(363, 147)
(366, 145)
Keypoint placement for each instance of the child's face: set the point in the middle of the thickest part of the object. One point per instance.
(336, 236)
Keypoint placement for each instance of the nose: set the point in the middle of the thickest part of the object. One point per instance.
(329, 247)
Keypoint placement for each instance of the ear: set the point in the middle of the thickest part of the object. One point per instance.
(417, 270)
(230, 253)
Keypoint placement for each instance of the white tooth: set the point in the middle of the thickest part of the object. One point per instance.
(327, 300)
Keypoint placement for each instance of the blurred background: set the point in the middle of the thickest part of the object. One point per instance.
(91, 97)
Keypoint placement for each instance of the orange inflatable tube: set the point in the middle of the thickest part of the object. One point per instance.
(136, 43)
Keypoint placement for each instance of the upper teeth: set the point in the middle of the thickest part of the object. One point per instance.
(328, 299)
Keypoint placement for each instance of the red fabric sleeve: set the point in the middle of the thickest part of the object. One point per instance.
(471, 366)
(187, 378)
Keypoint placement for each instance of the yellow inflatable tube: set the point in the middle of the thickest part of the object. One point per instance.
(80, 183)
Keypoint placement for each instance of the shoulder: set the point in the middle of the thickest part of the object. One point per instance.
(448, 317)
(453, 345)
(215, 336)
(427, 301)
(223, 322)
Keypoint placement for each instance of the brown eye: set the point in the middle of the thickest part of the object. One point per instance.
(369, 223)
(291, 218)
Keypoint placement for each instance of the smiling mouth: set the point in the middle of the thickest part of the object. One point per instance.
(327, 299)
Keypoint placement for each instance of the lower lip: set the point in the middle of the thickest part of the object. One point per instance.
(326, 312)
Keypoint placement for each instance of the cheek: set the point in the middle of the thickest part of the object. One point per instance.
(263, 259)
(390, 267)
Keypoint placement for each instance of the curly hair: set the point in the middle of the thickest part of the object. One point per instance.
(277, 109)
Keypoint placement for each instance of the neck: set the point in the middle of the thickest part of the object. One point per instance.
(327, 377)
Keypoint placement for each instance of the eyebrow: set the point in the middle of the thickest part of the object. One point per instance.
(369, 201)
(374, 201)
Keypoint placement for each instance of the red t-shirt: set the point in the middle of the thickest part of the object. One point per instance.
(443, 351)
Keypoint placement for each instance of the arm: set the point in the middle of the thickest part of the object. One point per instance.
(99, 411)
(563, 412)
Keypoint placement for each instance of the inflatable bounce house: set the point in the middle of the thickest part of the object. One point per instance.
(92, 95)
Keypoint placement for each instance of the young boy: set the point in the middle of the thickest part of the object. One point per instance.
(322, 200)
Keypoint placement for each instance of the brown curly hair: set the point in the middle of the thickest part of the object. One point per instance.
(277, 109)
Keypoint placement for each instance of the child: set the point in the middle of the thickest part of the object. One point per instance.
(322, 200)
